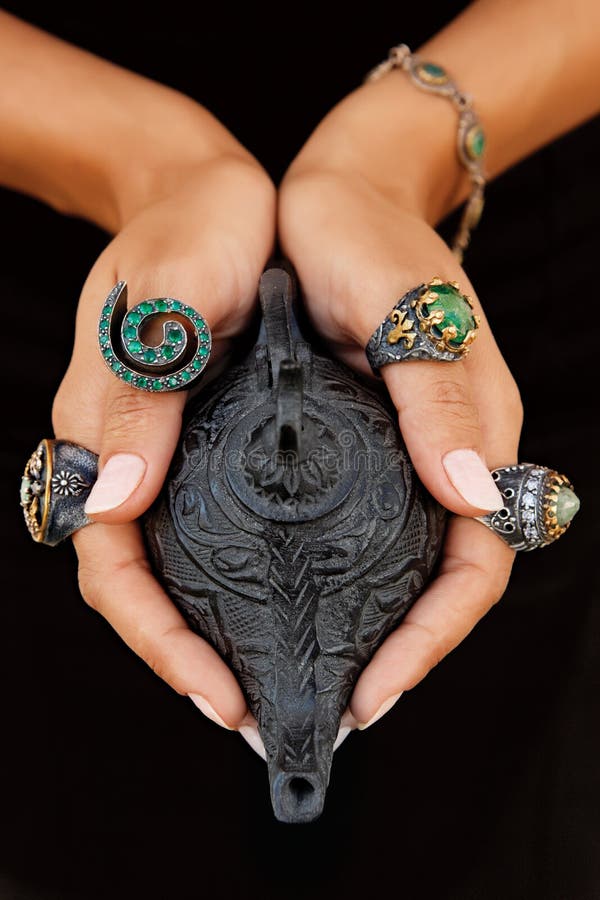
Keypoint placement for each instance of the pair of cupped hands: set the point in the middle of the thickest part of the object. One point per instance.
(354, 215)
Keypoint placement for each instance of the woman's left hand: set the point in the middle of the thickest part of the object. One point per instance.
(358, 244)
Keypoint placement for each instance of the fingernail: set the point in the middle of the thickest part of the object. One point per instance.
(252, 737)
(471, 478)
(385, 707)
(205, 707)
(342, 735)
(116, 482)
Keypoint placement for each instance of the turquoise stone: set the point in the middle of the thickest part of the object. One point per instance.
(134, 317)
(434, 70)
(107, 311)
(567, 505)
(104, 323)
(162, 305)
(130, 332)
(107, 353)
(456, 312)
(176, 305)
(146, 307)
(149, 356)
(104, 339)
(475, 142)
(134, 346)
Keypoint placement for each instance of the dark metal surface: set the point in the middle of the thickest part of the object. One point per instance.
(294, 535)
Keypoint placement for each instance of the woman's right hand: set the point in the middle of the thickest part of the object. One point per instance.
(205, 240)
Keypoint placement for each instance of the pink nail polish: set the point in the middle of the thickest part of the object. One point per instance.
(118, 479)
(385, 707)
(207, 710)
(471, 478)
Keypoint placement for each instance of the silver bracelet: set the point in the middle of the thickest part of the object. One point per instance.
(470, 138)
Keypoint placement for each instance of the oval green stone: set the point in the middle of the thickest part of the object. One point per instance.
(189, 311)
(116, 366)
(456, 312)
(142, 382)
(172, 381)
(567, 505)
(168, 352)
(476, 142)
(197, 364)
(434, 70)
(173, 335)
(185, 376)
(104, 323)
(128, 376)
(149, 356)
(107, 311)
(25, 490)
(203, 351)
(157, 385)
(162, 305)
(130, 332)
(204, 336)
(146, 307)
(107, 353)
(134, 317)
(176, 305)
(134, 346)
(104, 339)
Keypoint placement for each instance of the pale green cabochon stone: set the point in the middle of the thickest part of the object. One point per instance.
(567, 506)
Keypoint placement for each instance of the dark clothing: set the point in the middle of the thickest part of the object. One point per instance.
(484, 782)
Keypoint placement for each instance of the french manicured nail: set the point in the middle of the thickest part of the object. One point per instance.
(471, 478)
(205, 707)
(385, 707)
(342, 735)
(252, 737)
(117, 481)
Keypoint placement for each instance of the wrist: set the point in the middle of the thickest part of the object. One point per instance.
(400, 140)
(152, 142)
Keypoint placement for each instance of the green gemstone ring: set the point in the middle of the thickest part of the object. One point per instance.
(434, 321)
(539, 505)
(171, 365)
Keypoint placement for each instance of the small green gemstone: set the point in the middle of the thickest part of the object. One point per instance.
(475, 142)
(189, 311)
(197, 364)
(185, 376)
(134, 318)
(146, 307)
(157, 385)
(107, 353)
(25, 490)
(204, 336)
(104, 338)
(107, 310)
(116, 366)
(176, 305)
(567, 505)
(162, 305)
(434, 71)
(149, 356)
(128, 376)
(130, 332)
(134, 346)
(142, 382)
(203, 351)
(456, 312)
(173, 381)
(104, 323)
(174, 335)
(168, 352)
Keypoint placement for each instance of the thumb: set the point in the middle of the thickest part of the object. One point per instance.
(138, 440)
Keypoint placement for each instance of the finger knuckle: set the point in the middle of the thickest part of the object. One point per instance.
(89, 586)
(122, 410)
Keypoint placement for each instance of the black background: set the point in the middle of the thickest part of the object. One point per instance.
(484, 781)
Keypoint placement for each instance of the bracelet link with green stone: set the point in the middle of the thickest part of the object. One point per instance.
(470, 137)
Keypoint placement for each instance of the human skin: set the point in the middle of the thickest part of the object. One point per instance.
(357, 210)
(193, 215)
